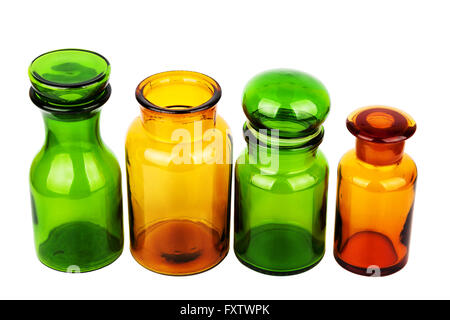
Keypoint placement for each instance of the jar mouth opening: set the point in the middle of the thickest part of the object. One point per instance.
(178, 92)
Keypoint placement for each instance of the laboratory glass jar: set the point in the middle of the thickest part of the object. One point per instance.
(179, 160)
(75, 179)
(375, 193)
(282, 177)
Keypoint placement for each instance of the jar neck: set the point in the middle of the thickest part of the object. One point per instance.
(281, 159)
(379, 154)
(69, 129)
(265, 146)
(169, 127)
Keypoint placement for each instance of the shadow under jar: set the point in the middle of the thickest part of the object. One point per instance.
(178, 156)
(375, 194)
(75, 179)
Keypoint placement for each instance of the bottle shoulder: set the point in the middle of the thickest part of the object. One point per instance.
(385, 178)
(182, 150)
(222, 125)
(292, 176)
(284, 163)
(63, 171)
(76, 149)
(137, 130)
(136, 125)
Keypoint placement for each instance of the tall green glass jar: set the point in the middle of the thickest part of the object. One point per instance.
(75, 179)
(282, 177)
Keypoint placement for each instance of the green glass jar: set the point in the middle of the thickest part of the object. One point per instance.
(282, 177)
(75, 179)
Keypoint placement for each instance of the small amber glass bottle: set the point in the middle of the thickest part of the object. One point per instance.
(178, 155)
(375, 196)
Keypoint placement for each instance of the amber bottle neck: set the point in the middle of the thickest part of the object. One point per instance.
(170, 127)
(379, 154)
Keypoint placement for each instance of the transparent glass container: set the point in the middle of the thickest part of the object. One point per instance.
(375, 194)
(282, 177)
(75, 179)
(178, 155)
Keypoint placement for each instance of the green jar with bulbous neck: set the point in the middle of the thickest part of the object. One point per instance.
(75, 179)
(282, 176)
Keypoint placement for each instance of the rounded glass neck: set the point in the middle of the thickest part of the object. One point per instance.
(271, 138)
(275, 155)
(69, 81)
(380, 133)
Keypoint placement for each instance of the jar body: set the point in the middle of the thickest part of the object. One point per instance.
(76, 197)
(280, 214)
(179, 193)
(374, 214)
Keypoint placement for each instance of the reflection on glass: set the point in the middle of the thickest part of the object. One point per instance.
(375, 196)
(75, 180)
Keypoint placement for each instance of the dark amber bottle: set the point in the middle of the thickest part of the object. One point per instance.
(375, 196)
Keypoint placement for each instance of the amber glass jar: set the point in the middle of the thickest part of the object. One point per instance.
(376, 190)
(178, 156)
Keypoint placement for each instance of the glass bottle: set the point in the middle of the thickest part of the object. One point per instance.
(375, 194)
(178, 155)
(282, 177)
(75, 180)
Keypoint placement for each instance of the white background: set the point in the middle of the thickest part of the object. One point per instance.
(394, 53)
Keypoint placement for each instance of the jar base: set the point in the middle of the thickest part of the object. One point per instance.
(278, 273)
(79, 247)
(278, 249)
(179, 247)
(370, 253)
(371, 271)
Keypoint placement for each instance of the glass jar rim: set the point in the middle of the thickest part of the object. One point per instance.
(210, 82)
